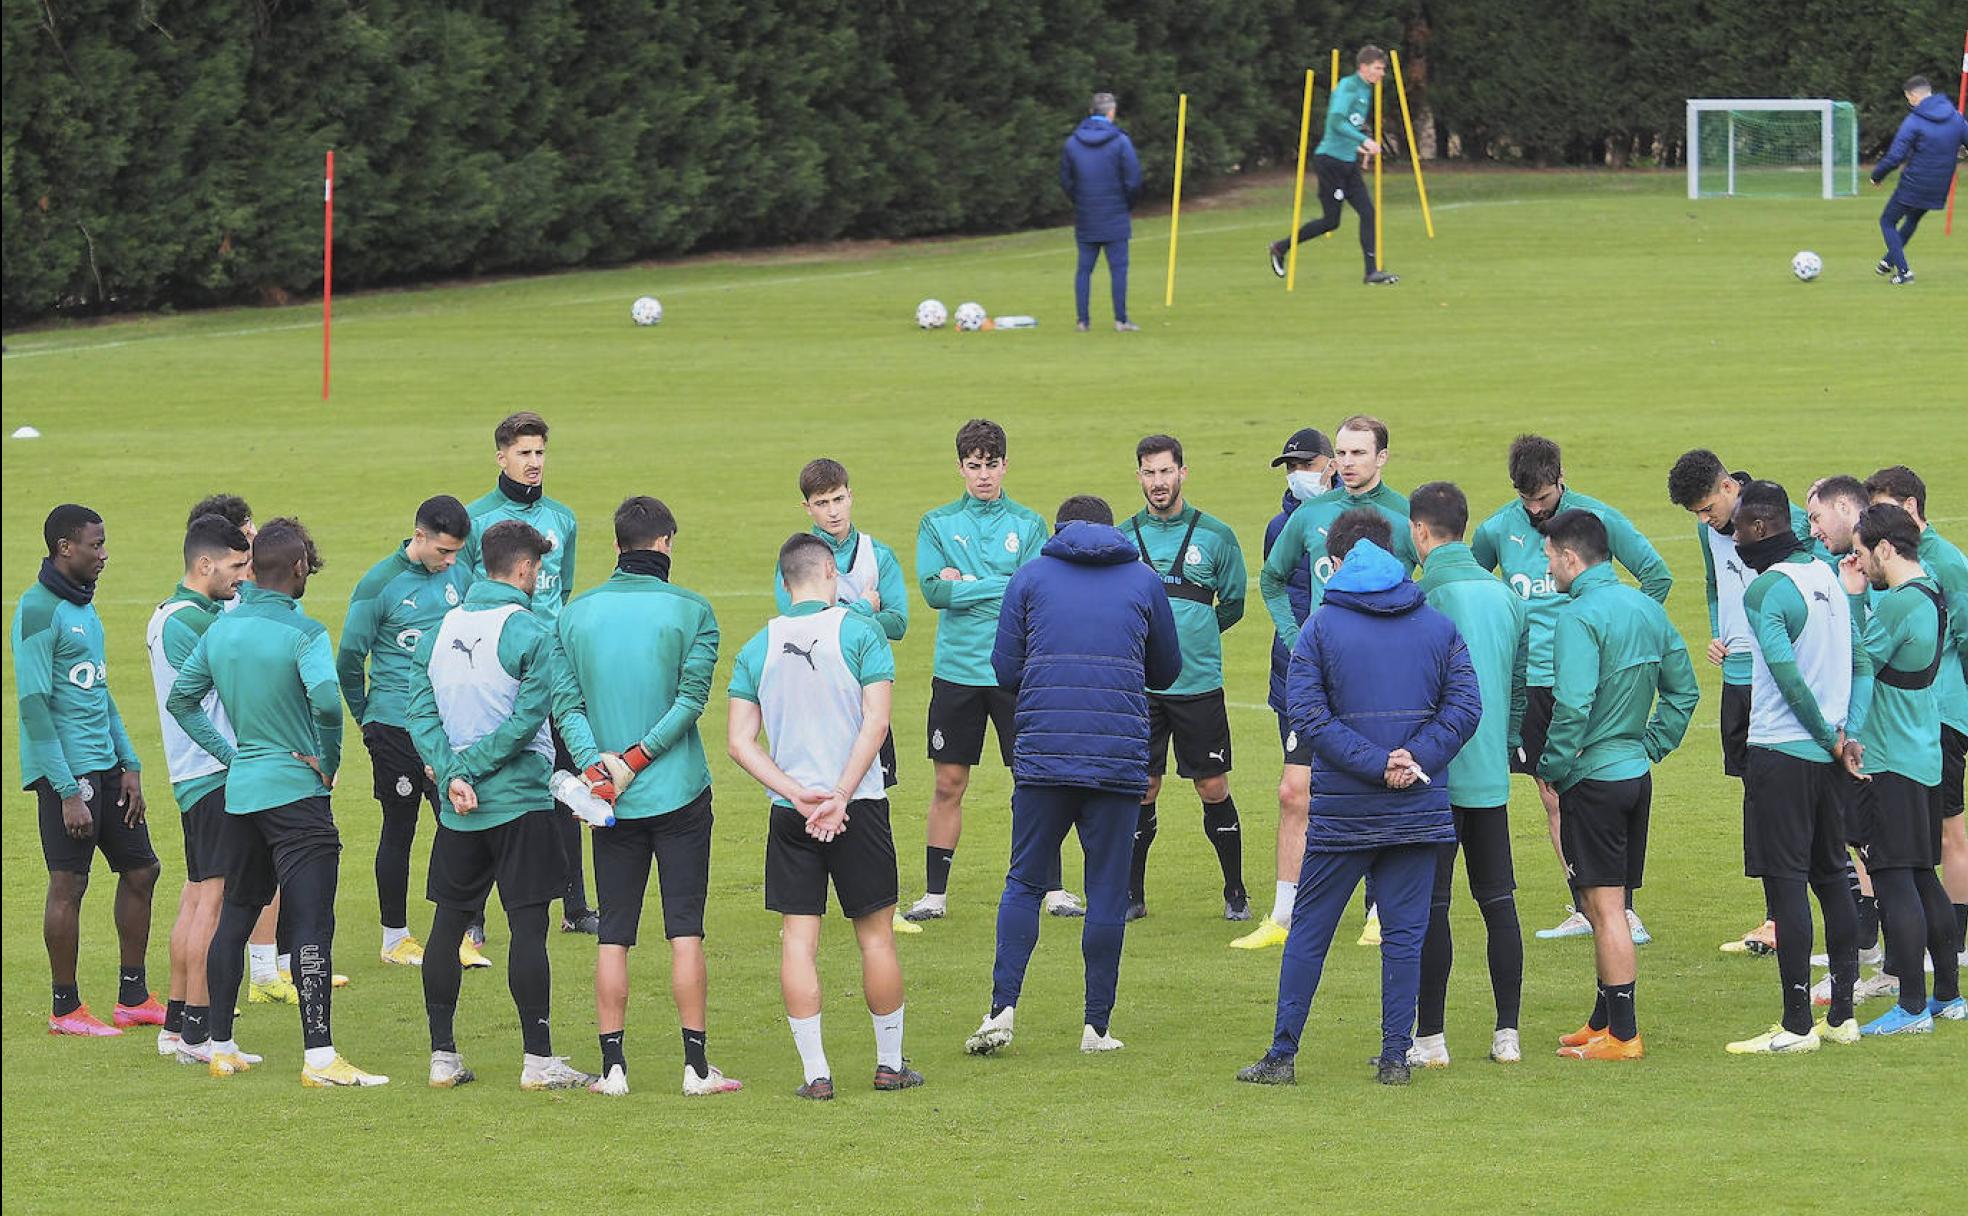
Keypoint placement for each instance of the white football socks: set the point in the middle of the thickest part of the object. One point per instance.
(393, 936)
(320, 1057)
(813, 1054)
(1281, 903)
(888, 1038)
(261, 959)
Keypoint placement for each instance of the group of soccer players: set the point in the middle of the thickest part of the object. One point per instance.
(1841, 627)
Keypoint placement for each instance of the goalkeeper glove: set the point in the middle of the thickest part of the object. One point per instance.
(610, 775)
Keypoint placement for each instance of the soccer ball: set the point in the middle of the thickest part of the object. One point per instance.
(930, 314)
(647, 311)
(970, 316)
(1806, 266)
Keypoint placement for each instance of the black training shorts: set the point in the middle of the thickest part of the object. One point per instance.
(1954, 759)
(125, 848)
(524, 856)
(860, 861)
(400, 783)
(1602, 826)
(263, 849)
(1483, 837)
(1735, 730)
(1200, 727)
(204, 837)
(680, 845)
(1793, 824)
(1901, 823)
(957, 714)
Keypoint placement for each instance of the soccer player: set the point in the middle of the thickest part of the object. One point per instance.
(77, 758)
(1202, 569)
(818, 679)
(217, 555)
(1349, 118)
(1622, 696)
(1924, 150)
(1307, 460)
(483, 732)
(1905, 641)
(636, 658)
(1702, 485)
(1511, 542)
(1944, 564)
(966, 551)
(1084, 632)
(275, 675)
(1382, 685)
(1809, 690)
(519, 444)
(401, 598)
(1494, 621)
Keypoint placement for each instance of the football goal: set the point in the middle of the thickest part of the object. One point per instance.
(1772, 147)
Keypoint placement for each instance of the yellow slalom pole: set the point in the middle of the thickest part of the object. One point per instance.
(1414, 150)
(1379, 260)
(1332, 83)
(1298, 195)
(1175, 205)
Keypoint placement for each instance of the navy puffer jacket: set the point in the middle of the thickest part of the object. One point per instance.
(1099, 171)
(1925, 147)
(1085, 630)
(1377, 669)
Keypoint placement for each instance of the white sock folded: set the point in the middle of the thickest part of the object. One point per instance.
(888, 1038)
(261, 959)
(393, 936)
(320, 1057)
(1281, 903)
(813, 1054)
(286, 964)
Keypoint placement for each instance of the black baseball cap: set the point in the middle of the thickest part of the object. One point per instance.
(1308, 444)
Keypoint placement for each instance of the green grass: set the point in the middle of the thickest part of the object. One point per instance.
(1607, 311)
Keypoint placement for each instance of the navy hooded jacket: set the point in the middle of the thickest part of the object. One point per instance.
(1085, 630)
(1099, 171)
(1299, 588)
(1377, 669)
(1926, 146)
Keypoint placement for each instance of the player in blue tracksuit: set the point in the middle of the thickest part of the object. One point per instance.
(1099, 171)
(1924, 151)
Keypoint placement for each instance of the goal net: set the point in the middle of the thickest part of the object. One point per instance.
(1772, 148)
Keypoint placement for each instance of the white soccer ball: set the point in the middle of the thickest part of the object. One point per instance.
(1806, 265)
(930, 314)
(647, 311)
(970, 316)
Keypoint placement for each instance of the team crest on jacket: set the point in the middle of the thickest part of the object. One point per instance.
(85, 788)
(404, 786)
(1194, 557)
(1291, 742)
(1011, 542)
(451, 594)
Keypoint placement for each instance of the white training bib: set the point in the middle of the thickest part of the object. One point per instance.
(1824, 660)
(853, 584)
(183, 758)
(810, 701)
(475, 693)
(1732, 579)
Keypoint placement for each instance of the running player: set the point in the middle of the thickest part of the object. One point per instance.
(1809, 674)
(966, 552)
(818, 679)
(636, 658)
(1510, 542)
(481, 685)
(217, 555)
(400, 599)
(77, 758)
(1307, 460)
(1336, 161)
(519, 444)
(275, 675)
(1621, 700)
(1494, 622)
(1202, 568)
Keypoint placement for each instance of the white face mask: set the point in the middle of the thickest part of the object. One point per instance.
(1306, 486)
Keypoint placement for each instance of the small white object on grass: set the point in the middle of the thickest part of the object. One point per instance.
(27, 432)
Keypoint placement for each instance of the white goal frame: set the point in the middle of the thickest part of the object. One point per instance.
(1823, 107)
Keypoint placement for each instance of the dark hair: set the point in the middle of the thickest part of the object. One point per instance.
(1885, 523)
(525, 422)
(213, 535)
(1442, 506)
(1083, 508)
(980, 436)
(1581, 532)
(443, 515)
(507, 542)
(1765, 502)
(231, 506)
(1535, 463)
(1366, 422)
(66, 522)
(1370, 54)
(1358, 524)
(1899, 483)
(279, 545)
(822, 474)
(1916, 83)
(805, 557)
(1159, 443)
(1693, 478)
(1843, 485)
(641, 521)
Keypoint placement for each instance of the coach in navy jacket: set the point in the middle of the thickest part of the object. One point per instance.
(1085, 630)
(1099, 171)
(1924, 151)
(1382, 687)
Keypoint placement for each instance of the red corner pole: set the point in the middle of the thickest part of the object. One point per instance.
(327, 265)
(1960, 103)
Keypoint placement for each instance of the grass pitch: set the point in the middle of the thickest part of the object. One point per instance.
(1606, 311)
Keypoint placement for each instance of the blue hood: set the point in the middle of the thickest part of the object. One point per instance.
(1372, 580)
(1090, 544)
(1096, 131)
(1933, 108)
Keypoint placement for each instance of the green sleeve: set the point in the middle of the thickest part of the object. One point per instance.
(1638, 555)
(949, 596)
(693, 687)
(1708, 583)
(749, 667)
(34, 681)
(1339, 111)
(422, 719)
(317, 669)
(871, 660)
(1519, 674)
(1777, 615)
(532, 666)
(472, 556)
(894, 615)
(1232, 581)
(365, 616)
(126, 753)
(1678, 693)
(1274, 580)
(1483, 546)
(1860, 705)
(186, 706)
(567, 561)
(570, 707)
(1575, 661)
(1404, 543)
(180, 638)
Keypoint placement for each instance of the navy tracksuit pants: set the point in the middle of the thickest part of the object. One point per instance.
(1117, 270)
(1041, 816)
(1403, 878)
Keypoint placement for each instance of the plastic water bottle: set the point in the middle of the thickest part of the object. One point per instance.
(1016, 322)
(573, 793)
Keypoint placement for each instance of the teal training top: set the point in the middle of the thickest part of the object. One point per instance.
(1494, 624)
(1903, 725)
(389, 611)
(1202, 568)
(864, 651)
(178, 637)
(553, 520)
(985, 542)
(1949, 570)
(1349, 119)
(1303, 543)
(69, 724)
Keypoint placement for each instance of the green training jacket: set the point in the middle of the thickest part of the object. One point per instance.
(1202, 568)
(1902, 637)
(1303, 542)
(985, 542)
(551, 519)
(69, 724)
(1494, 624)
(389, 611)
(1349, 119)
